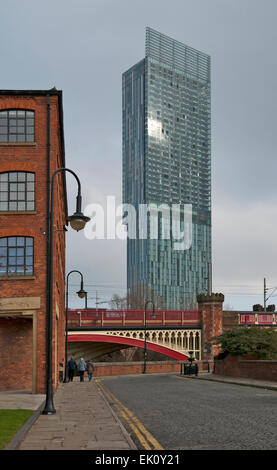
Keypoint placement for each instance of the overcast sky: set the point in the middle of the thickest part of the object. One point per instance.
(83, 46)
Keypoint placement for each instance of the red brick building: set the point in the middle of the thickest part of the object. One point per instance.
(31, 149)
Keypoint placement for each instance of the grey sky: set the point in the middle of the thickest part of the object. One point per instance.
(84, 46)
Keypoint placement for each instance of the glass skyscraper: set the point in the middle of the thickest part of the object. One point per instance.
(167, 160)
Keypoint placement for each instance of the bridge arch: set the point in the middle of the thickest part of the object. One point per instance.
(130, 341)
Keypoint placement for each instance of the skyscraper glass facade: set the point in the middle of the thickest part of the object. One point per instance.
(167, 159)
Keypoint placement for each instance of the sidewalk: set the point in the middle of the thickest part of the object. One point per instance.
(235, 380)
(20, 400)
(83, 421)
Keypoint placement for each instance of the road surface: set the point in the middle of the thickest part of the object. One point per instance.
(171, 412)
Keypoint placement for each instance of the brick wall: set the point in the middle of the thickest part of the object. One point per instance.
(235, 366)
(210, 306)
(16, 354)
(230, 320)
(125, 368)
(33, 157)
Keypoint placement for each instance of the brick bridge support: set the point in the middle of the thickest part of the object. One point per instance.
(210, 306)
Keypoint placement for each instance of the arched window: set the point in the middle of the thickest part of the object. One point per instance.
(17, 125)
(17, 191)
(16, 256)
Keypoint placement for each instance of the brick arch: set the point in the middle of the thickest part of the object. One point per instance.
(14, 104)
(17, 166)
(166, 351)
(18, 232)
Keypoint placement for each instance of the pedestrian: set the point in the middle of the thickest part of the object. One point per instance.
(81, 368)
(71, 365)
(90, 369)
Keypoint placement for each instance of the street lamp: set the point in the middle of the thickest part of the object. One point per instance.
(145, 344)
(77, 221)
(81, 293)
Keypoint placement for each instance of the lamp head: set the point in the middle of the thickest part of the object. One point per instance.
(81, 293)
(78, 221)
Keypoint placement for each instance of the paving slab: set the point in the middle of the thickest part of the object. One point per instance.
(83, 420)
(20, 400)
(108, 445)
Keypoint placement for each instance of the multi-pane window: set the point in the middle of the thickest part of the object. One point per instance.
(17, 125)
(17, 191)
(16, 256)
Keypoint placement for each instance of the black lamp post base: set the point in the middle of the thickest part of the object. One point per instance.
(49, 408)
(48, 412)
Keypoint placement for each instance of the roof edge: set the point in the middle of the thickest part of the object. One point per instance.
(52, 91)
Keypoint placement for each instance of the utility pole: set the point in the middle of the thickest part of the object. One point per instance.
(264, 294)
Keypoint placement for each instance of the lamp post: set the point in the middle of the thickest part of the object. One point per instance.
(145, 344)
(81, 293)
(77, 222)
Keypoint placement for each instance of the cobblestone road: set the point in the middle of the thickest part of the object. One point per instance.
(189, 414)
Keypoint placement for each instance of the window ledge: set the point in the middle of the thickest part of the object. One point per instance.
(18, 212)
(18, 144)
(16, 278)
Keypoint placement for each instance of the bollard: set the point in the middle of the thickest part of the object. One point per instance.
(196, 369)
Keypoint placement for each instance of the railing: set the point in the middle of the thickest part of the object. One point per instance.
(130, 318)
(259, 319)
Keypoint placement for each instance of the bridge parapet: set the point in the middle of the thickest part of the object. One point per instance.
(260, 319)
(131, 317)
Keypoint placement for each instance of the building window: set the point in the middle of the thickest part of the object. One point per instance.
(16, 256)
(17, 191)
(17, 125)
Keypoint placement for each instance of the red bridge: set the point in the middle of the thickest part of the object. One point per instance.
(257, 319)
(170, 332)
(132, 318)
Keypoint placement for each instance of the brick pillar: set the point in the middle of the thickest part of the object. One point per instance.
(210, 306)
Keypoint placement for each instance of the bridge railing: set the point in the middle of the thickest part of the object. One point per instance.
(257, 319)
(132, 317)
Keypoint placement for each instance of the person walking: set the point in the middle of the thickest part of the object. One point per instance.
(90, 369)
(81, 368)
(71, 369)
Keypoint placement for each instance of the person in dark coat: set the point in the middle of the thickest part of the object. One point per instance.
(90, 369)
(71, 368)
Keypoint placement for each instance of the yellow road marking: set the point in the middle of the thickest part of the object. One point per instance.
(124, 416)
(133, 421)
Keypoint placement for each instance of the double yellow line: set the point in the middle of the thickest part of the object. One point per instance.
(145, 438)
